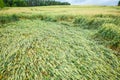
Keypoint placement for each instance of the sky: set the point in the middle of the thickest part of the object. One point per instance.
(91, 2)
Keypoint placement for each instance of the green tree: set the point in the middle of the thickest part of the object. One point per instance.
(119, 3)
(1, 4)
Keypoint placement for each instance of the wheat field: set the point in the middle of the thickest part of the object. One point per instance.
(60, 43)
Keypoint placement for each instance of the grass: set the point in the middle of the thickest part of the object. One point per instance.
(60, 43)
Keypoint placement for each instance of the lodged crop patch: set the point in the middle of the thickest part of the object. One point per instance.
(60, 43)
(34, 49)
(110, 33)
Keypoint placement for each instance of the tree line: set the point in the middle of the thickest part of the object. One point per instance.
(24, 3)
